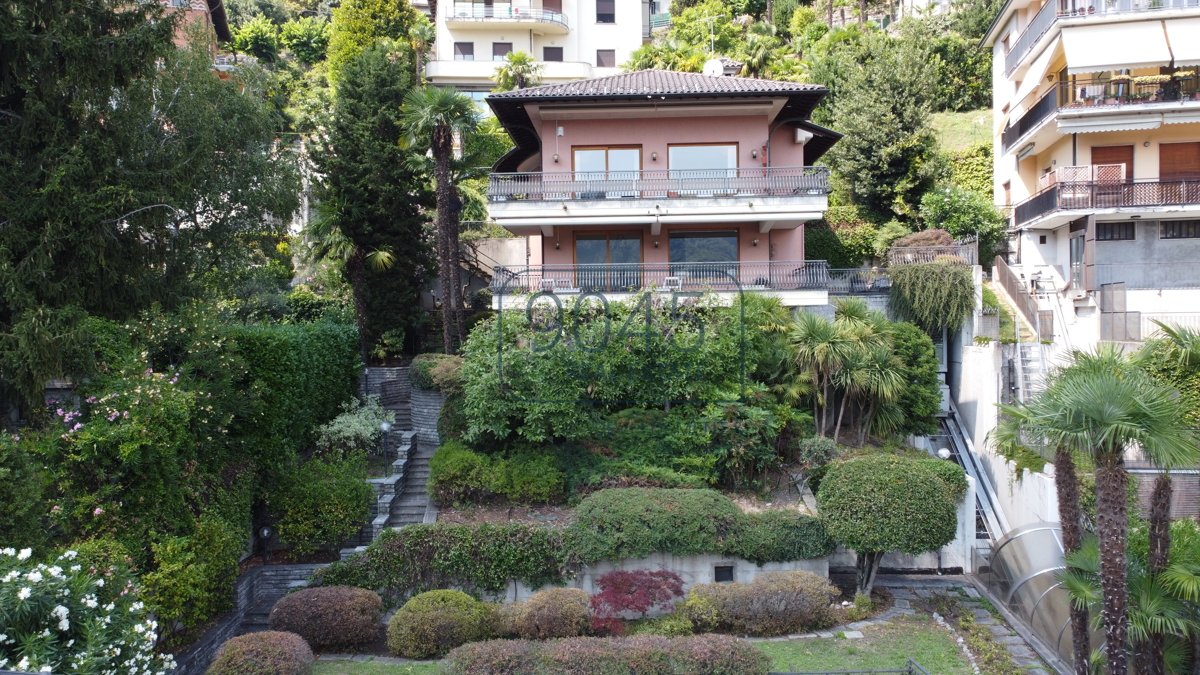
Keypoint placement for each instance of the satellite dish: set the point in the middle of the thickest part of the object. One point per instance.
(714, 68)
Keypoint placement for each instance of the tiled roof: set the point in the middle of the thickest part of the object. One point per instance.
(658, 82)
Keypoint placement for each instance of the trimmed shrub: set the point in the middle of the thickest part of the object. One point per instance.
(431, 624)
(459, 475)
(554, 613)
(642, 654)
(479, 558)
(628, 523)
(437, 372)
(530, 479)
(930, 237)
(779, 536)
(193, 574)
(264, 653)
(330, 616)
(775, 603)
(323, 503)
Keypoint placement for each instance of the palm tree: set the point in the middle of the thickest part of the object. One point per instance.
(325, 241)
(1102, 404)
(436, 115)
(420, 38)
(820, 348)
(761, 44)
(519, 71)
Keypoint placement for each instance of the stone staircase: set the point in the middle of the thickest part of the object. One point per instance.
(1033, 369)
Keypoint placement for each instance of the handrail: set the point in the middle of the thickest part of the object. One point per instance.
(1041, 22)
(481, 12)
(1107, 194)
(658, 184)
(966, 252)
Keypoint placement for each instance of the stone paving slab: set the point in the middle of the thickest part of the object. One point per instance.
(852, 634)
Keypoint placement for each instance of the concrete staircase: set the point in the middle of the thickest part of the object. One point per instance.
(412, 506)
(1033, 369)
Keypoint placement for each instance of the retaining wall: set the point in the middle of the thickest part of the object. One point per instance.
(426, 408)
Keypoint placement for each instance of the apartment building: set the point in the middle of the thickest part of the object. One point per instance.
(668, 181)
(569, 39)
(1097, 151)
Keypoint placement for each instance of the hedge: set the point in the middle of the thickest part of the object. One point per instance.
(478, 558)
(460, 475)
(641, 654)
(431, 624)
(779, 536)
(775, 603)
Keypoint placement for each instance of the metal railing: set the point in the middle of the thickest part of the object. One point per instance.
(1054, 10)
(1082, 93)
(966, 252)
(1034, 116)
(1101, 195)
(733, 276)
(479, 12)
(1042, 321)
(658, 184)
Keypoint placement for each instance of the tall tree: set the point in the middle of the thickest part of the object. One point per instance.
(359, 24)
(434, 116)
(374, 192)
(518, 71)
(420, 38)
(127, 173)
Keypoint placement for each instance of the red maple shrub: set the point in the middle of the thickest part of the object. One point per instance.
(630, 595)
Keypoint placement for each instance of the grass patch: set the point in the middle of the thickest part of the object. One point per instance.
(888, 646)
(960, 130)
(322, 667)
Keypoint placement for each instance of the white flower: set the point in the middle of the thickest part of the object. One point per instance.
(34, 576)
(45, 669)
(3, 638)
(24, 593)
(23, 664)
(76, 568)
(60, 612)
(8, 551)
(55, 571)
(25, 553)
(100, 582)
(64, 625)
(69, 555)
(90, 601)
(10, 576)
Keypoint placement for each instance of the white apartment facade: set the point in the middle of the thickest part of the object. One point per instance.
(1097, 151)
(569, 39)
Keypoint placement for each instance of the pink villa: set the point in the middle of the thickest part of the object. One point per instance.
(664, 180)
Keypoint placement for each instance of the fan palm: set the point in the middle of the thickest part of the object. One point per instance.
(519, 71)
(1102, 404)
(436, 115)
(420, 38)
(820, 348)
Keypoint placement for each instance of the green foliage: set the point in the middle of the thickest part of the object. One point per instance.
(779, 536)
(329, 616)
(306, 38)
(359, 24)
(921, 400)
(879, 503)
(263, 653)
(630, 523)
(553, 613)
(886, 235)
(358, 429)
(689, 43)
(193, 574)
(518, 71)
(933, 295)
(22, 490)
(98, 623)
(437, 372)
(457, 475)
(323, 502)
(964, 213)
(964, 71)
(823, 243)
(775, 603)
(743, 439)
(478, 558)
(801, 19)
(1166, 363)
(258, 37)
(971, 169)
(432, 623)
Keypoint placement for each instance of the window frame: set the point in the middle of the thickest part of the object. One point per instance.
(458, 56)
(1187, 229)
(611, 15)
(1116, 230)
(546, 56)
(606, 51)
(705, 234)
(503, 56)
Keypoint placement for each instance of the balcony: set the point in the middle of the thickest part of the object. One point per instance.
(475, 16)
(1032, 119)
(803, 282)
(1123, 91)
(658, 184)
(1106, 194)
(1062, 10)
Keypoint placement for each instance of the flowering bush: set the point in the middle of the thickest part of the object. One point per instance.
(631, 594)
(63, 618)
(358, 428)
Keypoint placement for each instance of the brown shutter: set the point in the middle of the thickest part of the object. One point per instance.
(1178, 161)
(1115, 154)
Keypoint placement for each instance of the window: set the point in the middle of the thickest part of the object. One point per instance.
(702, 247)
(552, 54)
(1181, 229)
(723, 574)
(1114, 231)
(606, 11)
(718, 158)
(608, 262)
(602, 169)
(500, 50)
(1042, 239)
(464, 51)
(606, 58)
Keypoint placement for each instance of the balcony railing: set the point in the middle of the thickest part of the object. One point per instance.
(474, 12)
(1029, 121)
(966, 252)
(1100, 93)
(1054, 10)
(1104, 195)
(659, 184)
(734, 276)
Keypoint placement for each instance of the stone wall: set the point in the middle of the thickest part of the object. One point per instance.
(426, 408)
(256, 592)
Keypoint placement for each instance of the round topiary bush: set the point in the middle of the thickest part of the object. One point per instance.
(266, 653)
(431, 624)
(330, 616)
(554, 613)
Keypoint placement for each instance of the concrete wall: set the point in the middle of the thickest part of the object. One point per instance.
(695, 569)
(426, 408)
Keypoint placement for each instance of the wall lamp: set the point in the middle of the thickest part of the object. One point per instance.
(556, 158)
(754, 153)
(754, 243)
(654, 157)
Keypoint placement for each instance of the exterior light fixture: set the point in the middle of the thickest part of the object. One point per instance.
(944, 453)
(654, 157)
(754, 153)
(385, 426)
(655, 243)
(557, 244)
(265, 532)
(556, 158)
(755, 242)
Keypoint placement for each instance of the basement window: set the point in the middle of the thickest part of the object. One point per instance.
(1114, 231)
(723, 574)
(1181, 229)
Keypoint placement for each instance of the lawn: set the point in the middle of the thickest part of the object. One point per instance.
(960, 130)
(888, 646)
(880, 647)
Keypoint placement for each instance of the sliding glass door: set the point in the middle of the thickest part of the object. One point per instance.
(607, 173)
(608, 262)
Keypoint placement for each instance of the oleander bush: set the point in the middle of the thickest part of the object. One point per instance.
(330, 616)
(432, 623)
(553, 613)
(479, 558)
(641, 654)
(626, 523)
(775, 603)
(263, 653)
